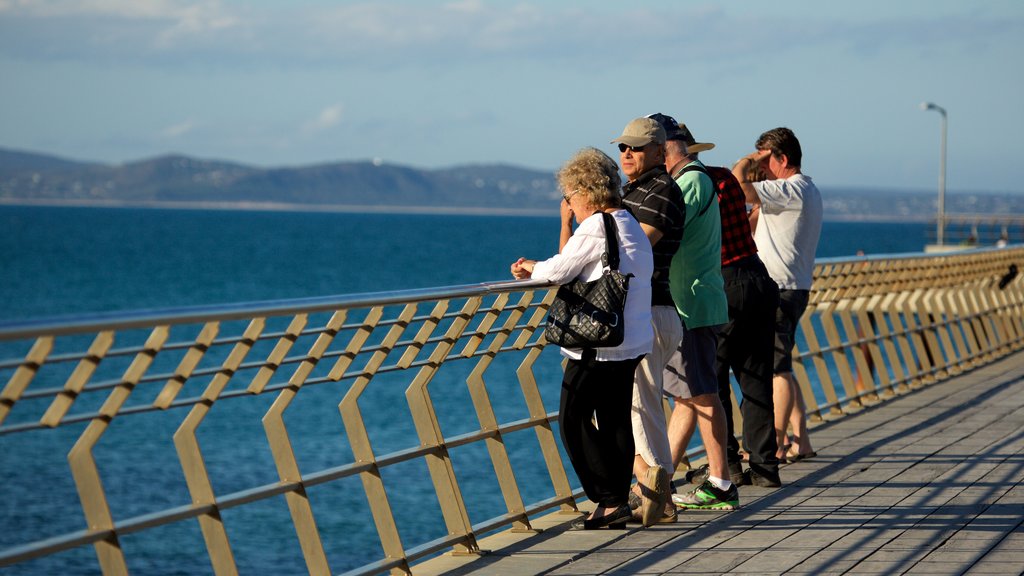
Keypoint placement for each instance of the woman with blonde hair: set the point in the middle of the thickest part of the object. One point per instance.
(597, 387)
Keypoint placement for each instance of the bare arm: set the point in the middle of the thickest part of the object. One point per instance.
(653, 234)
(741, 170)
(566, 232)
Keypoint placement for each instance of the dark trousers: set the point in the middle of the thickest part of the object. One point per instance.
(602, 456)
(746, 345)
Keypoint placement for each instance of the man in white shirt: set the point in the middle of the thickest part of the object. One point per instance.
(786, 217)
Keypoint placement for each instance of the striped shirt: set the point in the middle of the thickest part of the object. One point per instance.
(654, 199)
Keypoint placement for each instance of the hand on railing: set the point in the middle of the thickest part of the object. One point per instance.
(522, 269)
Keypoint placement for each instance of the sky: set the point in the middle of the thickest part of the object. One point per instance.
(437, 84)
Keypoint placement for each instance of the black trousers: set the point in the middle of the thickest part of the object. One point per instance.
(746, 345)
(602, 456)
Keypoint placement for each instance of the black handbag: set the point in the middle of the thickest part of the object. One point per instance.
(590, 314)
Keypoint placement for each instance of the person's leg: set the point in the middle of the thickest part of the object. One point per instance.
(782, 398)
(798, 421)
(792, 304)
(711, 422)
(725, 360)
(650, 434)
(609, 446)
(600, 455)
(683, 421)
(652, 461)
(680, 429)
(717, 491)
(753, 365)
(781, 386)
(575, 409)
(700, 347)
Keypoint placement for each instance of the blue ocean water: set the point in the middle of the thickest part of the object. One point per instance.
(56, 261)
(70, 260)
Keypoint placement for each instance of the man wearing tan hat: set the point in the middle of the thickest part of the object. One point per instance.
(656, 202)
(745, 343)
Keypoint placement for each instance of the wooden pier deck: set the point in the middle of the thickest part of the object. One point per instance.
(928, 483)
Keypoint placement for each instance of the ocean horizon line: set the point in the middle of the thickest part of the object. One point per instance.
(369, 208)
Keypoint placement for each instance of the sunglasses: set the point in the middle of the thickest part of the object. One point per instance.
(624, 147)
(570, 195)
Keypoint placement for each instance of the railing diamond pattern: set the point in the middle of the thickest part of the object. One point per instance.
(472, 364)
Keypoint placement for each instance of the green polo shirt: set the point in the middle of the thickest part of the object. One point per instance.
(695, 274)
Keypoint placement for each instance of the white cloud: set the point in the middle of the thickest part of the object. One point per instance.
(396, 35)
(125, 9)
(329, 117)
(178, 130)
(136, 25)
(465, 6)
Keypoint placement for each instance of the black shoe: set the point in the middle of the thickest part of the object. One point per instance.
(741, 480)
(634, 500)
(750, 477)
(736, 473)
(697, 475)
(615, 520)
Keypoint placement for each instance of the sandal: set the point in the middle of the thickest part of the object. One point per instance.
(798, 457)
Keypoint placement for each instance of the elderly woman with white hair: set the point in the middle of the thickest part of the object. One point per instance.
(597, 387)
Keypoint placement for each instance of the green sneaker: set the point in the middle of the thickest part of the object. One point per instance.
(708, 497)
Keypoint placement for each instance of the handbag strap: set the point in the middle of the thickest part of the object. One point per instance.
(610, 259)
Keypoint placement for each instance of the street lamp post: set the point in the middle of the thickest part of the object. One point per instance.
(941, 224)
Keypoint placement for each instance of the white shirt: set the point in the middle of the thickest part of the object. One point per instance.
(788, 229)
(581, 258)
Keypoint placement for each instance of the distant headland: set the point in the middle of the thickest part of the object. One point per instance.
(176, 181)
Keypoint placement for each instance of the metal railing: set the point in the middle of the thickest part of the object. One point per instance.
(184, 430)
(882, 325)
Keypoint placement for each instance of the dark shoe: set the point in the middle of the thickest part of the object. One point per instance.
(697, 475)
(634, 500)
(708, 497)
(798, 457)
(615, 520)
(653, 495)
(750, 477)
(634, 506)
(736, 473)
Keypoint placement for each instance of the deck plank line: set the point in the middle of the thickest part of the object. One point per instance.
(927, 483)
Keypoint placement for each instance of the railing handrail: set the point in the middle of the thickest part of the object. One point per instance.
(125, 319)
(63, 325)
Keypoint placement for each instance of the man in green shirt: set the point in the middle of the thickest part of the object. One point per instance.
(695, 281)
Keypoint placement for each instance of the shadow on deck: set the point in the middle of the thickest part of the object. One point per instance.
(929, 483)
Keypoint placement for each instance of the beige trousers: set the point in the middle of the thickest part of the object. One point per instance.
(650, 430)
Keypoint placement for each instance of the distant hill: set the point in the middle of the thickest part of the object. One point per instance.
(13, 162)
(176, 180)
